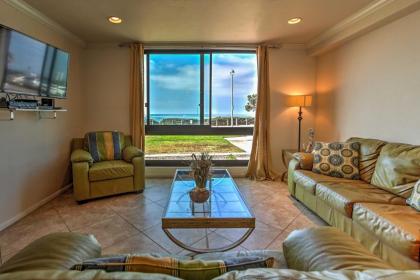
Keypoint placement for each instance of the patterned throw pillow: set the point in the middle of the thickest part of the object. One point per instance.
(105, 145)
(337, 159)
(414, 199)
(185, 269)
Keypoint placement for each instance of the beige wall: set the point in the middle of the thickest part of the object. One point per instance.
(292, 72)
(370, 87)
(106, 82)
(106, 88)
(35, 153)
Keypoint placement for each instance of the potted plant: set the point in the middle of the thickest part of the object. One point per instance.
(201, 172)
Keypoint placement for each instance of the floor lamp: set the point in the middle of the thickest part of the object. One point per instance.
(299, 101)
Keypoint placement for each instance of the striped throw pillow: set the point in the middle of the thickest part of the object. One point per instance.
(185, 269)
(105, 145)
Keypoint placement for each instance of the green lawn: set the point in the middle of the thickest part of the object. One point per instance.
(164, 144)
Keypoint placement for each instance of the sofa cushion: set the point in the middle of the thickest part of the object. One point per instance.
(397, 168)
(111, 169)
(105, 145)
(414, 199)
(327, 248)
(368, 155)
(54, 251)
(185, 269)
(337, 159)
(396, 225)
(342, 195)
(308, 179)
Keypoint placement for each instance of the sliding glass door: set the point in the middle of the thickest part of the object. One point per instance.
(199, 101)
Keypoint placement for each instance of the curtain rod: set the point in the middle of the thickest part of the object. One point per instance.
(171, 46)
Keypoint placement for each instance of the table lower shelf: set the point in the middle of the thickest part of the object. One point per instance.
(208, 250)
(208, 222)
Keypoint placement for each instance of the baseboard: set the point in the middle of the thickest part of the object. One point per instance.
(33, 207)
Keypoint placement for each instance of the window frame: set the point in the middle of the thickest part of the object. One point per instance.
(199, 129)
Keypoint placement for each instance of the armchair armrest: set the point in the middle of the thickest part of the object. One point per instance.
(131, 152)
(305, 160)
(80, 155)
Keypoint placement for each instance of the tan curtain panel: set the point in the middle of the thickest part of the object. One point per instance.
(137, 94)
(260, 165)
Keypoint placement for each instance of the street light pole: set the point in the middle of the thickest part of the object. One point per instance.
(231, 100)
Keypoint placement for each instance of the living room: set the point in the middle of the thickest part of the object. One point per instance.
(293, 111)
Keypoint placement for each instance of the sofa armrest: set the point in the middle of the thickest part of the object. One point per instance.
(327, 248)
(291, 185)
(54, 251)
(298, 161)
(305, 160)
(80, 155)
(131, 152)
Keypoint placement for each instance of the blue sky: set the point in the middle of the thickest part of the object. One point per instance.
(175, 82)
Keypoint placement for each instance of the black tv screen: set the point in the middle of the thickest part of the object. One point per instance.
(31, 67)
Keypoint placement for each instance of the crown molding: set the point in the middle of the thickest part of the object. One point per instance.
(293, 46)
(42, 18)
(374, 15)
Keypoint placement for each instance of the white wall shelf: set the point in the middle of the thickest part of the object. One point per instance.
(52, 113)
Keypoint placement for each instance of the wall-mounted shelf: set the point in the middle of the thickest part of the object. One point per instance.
(39, 111)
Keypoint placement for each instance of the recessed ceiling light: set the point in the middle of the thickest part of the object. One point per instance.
(294, 20)
(115, 20)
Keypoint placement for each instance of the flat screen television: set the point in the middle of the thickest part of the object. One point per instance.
(31, 67)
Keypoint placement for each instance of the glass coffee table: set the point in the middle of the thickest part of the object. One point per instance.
(226, 208)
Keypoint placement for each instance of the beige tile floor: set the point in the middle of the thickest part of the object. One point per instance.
(132, 223)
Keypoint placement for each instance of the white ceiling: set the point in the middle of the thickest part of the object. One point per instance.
(210, 21)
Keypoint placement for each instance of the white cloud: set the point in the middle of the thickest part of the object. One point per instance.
(185, 78)
(244, 69)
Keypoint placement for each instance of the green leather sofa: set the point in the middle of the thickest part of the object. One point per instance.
(373, 209)
(99, 179)
(316, 253)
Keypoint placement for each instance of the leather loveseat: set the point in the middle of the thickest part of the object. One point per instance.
(373, 209)
(317, 253)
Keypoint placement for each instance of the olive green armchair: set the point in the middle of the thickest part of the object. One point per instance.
(103, 178)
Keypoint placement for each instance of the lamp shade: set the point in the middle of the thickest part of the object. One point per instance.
(299, 101)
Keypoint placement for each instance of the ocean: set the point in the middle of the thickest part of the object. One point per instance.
(159, 117)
